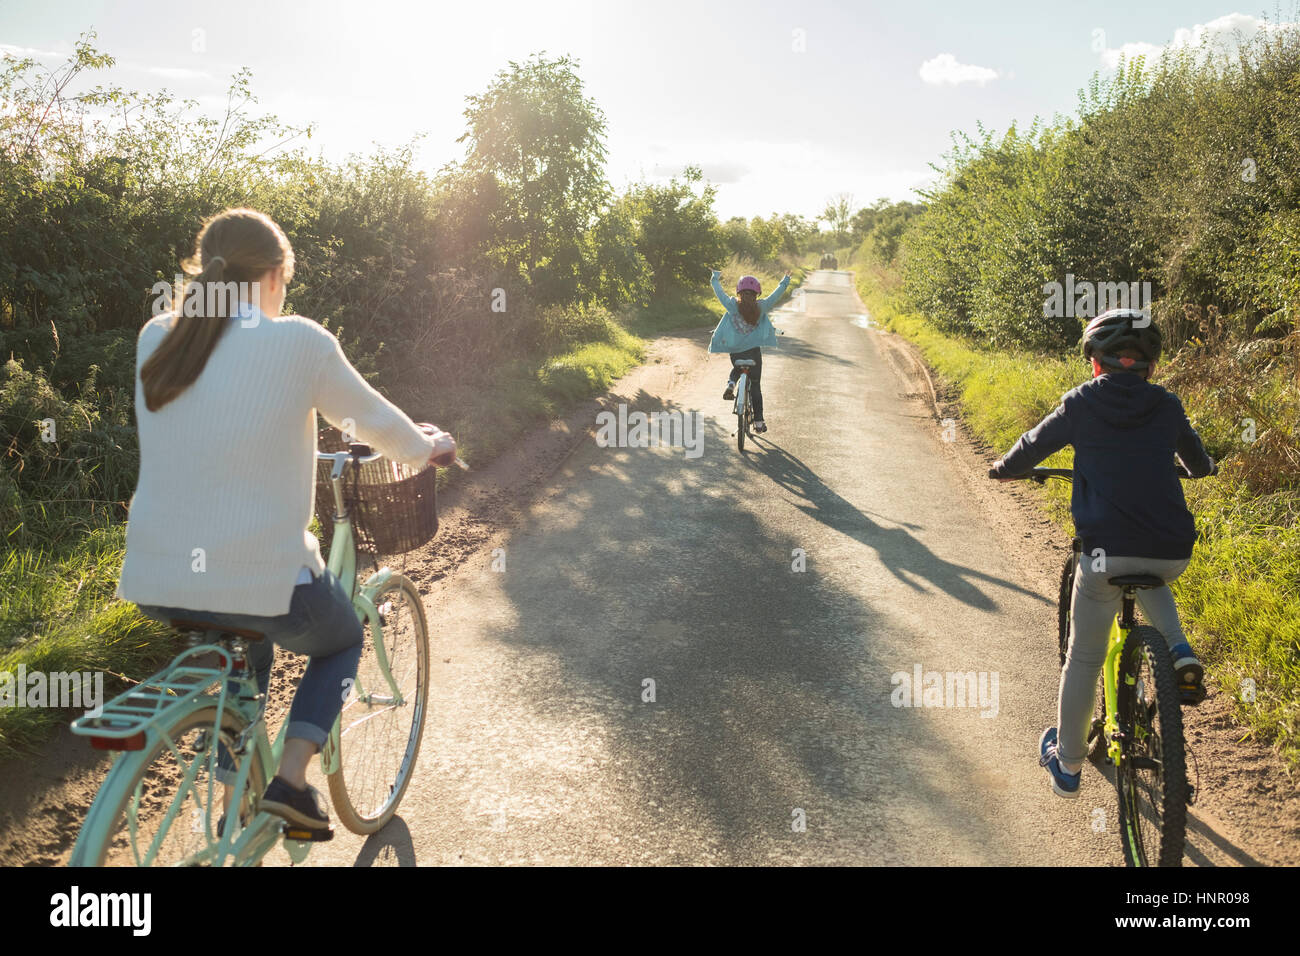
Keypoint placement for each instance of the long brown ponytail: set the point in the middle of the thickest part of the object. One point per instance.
(747, 306)
(236, 246)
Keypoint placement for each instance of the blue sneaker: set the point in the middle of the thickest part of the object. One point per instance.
(1063, 784)
(1190, 674)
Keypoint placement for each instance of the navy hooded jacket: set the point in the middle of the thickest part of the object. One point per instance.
(1127, 497)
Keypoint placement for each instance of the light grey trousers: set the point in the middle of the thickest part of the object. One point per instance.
(1093, 607)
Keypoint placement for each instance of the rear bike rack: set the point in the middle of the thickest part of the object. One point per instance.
(125, 721)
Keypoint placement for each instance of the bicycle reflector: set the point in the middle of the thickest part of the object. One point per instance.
(134, 742)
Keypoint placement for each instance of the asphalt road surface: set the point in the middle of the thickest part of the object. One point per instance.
(697, 658)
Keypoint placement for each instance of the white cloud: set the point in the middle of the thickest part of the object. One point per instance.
(944, 68)
(20, 52)
(1221, 35)
(166, 72)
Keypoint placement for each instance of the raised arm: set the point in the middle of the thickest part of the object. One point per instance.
(770, 300)
(727, 301)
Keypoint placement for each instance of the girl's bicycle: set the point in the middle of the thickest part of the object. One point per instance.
(1139, 725)
(744, 406)
(198, 726)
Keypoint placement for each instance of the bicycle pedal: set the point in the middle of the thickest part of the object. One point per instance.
(307, 834)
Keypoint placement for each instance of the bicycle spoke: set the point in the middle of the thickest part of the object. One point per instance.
(169, 810)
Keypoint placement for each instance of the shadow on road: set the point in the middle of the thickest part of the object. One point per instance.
(771, 689)
(1204, 846)
(390, 846)
(796, 348)
(906, 558)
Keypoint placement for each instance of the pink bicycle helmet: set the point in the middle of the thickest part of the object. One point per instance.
(750, 283)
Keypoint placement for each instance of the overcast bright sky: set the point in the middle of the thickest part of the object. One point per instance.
(782, 103)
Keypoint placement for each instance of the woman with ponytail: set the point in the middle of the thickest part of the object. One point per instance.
(226, 398)
(744, 331)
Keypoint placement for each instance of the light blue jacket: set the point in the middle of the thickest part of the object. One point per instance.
(732, 333)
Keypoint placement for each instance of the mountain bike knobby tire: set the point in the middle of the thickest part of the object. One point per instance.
(1152, 782)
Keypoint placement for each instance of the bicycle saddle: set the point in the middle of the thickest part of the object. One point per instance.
(1137, 581)
(182, 624)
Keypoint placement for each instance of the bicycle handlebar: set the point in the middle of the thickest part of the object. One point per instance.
(1041, 475)
(353, 453)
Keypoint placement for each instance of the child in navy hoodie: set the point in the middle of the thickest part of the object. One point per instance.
(1127, 501)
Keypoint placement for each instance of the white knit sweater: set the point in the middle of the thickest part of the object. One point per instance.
(219, 517)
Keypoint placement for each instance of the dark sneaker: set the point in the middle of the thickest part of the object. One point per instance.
(1190, 674)
(305, 808)
(1063, 784)
(730, 393)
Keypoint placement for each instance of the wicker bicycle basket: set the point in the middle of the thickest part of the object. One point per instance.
(394, 507)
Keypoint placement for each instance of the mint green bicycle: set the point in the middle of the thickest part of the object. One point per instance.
(162, 803)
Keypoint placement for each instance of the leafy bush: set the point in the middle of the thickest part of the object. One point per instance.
(1181, 173)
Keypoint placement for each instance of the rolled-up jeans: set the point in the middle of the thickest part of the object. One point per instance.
(1094, 605)
(322, 625)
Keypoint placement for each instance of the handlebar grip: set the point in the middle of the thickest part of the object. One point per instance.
(444, 446)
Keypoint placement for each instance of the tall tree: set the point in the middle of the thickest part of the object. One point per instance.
(679, 235)
(543, 142)
(838, 214)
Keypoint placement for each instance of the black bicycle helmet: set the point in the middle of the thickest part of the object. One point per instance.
(1120, 329)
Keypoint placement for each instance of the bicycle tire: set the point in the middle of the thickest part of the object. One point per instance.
(375, 812)
(1146, 658)
(742, 400)
(132, 772)
(1063, 599)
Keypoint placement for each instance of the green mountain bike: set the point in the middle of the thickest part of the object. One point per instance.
(163, 803)
(1139, 724)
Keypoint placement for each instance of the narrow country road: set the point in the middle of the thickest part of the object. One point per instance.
(772, 736)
